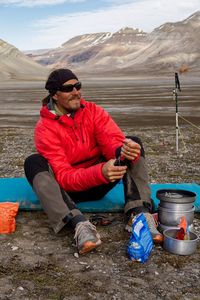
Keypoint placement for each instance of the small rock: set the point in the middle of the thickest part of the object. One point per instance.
(82, 263)
(76, 255)
(87, 267)
(14, 248)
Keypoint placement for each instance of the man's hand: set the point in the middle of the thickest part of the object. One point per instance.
(130, 149)
(111, 172)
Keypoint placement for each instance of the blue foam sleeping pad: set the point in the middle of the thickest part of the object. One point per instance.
(19, 190)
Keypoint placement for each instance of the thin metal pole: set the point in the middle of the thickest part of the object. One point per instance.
(175, 93)
(177, 128)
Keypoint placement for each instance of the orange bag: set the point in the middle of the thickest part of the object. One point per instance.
(8, 211)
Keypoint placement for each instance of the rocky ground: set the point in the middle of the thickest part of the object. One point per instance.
(37, 264)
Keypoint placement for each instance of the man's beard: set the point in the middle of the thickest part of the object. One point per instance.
(75, 108)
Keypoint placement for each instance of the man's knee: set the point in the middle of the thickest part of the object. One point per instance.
(34, 164)
(138, 141)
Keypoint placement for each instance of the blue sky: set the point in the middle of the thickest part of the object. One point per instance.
(42, 24)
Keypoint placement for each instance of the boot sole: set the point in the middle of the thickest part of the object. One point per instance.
(89, 246)
(158, 239)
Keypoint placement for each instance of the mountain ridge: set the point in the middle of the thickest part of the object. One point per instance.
(16, 65)
(171, 47)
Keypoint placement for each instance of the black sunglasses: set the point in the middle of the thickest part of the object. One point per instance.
(68, 88)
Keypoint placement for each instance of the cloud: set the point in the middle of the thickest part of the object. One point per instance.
(51, 32)
(32, 3)
(143, 14)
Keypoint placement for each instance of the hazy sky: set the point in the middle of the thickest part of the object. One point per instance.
(41, 24)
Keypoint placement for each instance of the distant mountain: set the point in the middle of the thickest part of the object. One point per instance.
(78, 49)
(101, 51)
(36, 52)
(169, 48)
(174, 47)
(16, 65)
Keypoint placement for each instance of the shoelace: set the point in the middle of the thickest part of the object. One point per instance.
(83, 228)
(151, 222)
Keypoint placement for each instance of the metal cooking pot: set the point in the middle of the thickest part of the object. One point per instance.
(180, 247)
(172, 217)
(176, 206)
(162, 227)
(175, 196)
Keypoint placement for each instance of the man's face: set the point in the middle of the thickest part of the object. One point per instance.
(68, 101)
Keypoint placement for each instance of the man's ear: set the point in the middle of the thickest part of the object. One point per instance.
(55, 97)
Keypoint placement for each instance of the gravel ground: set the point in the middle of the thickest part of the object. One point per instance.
(37, 264)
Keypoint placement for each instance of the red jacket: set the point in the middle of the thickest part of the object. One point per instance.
(73, 146)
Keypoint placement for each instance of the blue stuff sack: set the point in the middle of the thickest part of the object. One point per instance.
(141, 242)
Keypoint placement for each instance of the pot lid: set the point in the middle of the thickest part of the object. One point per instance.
(176, 196)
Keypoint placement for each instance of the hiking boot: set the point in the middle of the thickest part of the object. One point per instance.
(128, 226)
(86, 237)
(156, 235)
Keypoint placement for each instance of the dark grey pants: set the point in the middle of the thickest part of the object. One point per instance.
(60, 206)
